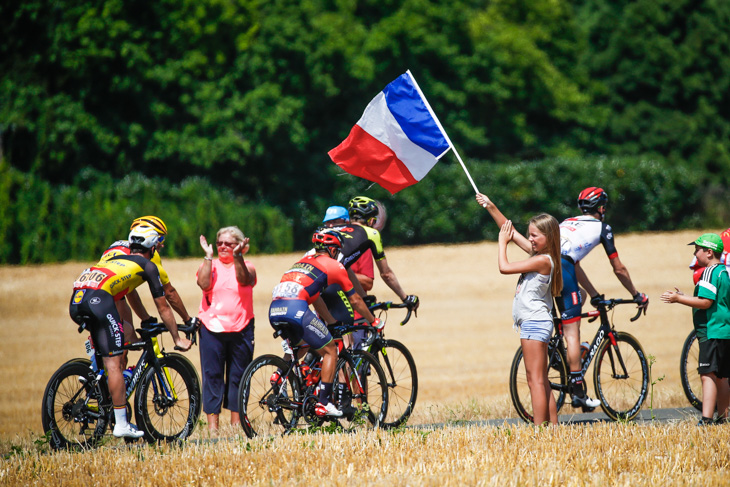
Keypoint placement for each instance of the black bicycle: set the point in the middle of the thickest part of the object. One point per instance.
(688, 362)
(276, 395)
(77, 407)
(397, 362)
(620, 376)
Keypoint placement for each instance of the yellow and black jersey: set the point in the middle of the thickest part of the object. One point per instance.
(121, 247)
(356, 240)
(118, 275)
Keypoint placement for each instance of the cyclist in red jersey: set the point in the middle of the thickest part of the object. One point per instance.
(95, 292)
(300, 287)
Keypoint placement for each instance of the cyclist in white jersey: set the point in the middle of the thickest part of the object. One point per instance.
(578, 236)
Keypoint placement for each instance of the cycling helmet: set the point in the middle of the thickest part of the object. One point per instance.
(143, 237)
(329, 240)
(150, 221)
(592, 200)
(336, 213)
(364, 208)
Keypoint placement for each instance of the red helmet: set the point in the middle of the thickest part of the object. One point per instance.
(329, 240)
(590, 200)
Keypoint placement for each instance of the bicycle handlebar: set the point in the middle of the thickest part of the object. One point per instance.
(611, 303)
(386, 305)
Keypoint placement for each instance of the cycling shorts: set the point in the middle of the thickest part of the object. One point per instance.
(96, 308)
(306, 326)
(569, 300)
(536, 330)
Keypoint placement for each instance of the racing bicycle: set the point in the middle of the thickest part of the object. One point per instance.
(77, 406)
(278, 396)
(397, 362)
(620, 376)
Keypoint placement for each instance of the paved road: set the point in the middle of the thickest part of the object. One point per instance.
(645, 416)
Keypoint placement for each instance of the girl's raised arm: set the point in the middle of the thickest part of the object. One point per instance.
(500, 219)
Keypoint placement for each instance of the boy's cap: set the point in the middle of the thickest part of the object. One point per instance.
(710, 241)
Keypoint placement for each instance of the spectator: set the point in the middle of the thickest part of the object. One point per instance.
(227, 334)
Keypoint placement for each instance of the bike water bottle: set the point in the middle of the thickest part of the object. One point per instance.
(128, 373)
(584, 347)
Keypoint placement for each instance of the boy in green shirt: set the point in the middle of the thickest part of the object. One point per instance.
(711, 317)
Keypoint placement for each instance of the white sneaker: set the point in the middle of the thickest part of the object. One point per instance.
(127, 431)
(328, 410)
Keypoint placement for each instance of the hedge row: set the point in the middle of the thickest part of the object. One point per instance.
(645, 194)
(42, 222)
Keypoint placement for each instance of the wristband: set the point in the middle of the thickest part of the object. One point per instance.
(238, 255)
(208, 258)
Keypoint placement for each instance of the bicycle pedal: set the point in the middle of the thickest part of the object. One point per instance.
(586, 409)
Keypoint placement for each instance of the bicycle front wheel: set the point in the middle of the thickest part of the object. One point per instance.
(519, 390)
(621, 377)
(71, 412)
(267, 407)
(361, 391)
(402, 378)
(167, 402)
(688, 363)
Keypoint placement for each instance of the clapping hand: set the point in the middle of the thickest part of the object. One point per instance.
(241, 248)
(506, 232)
(207, 248)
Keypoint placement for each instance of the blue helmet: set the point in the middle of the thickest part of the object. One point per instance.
(336, 213)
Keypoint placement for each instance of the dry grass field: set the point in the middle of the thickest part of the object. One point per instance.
(463, 344)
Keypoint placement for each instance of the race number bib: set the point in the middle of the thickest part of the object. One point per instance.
(288, 290)
(91, 279)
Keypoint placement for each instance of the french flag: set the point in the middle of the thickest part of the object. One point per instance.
(397, 140)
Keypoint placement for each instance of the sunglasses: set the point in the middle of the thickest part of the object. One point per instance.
(227, 244)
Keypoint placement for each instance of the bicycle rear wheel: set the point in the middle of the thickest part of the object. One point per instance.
(688, 363)
(365, 402)
(167, 405)
(519, 390)
(71, 411)
(621, 377)
(266, 408)
(402, 379)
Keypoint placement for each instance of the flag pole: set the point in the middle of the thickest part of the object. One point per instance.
(438, 122)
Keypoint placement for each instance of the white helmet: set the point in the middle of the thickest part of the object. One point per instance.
(143, 236)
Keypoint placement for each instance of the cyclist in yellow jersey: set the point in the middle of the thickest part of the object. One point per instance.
(121, 247)
(93, 299)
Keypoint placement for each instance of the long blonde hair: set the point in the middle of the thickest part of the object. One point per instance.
(548, 225)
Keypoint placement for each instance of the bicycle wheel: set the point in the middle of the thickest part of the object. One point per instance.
(266, 408)
(402, 378)
(167, 406)
(688, 363)
(519, 390)
(71, 411)
(365, 402)
(621, 377)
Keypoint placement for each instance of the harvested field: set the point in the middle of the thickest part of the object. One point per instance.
(463, 344)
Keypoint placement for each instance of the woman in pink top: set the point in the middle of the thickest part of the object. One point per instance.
(227, 337)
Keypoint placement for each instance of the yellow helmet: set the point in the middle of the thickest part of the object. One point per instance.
(151, 221)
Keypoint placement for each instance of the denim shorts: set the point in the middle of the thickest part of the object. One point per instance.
(536, 330)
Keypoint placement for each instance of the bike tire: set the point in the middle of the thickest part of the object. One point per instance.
(71, 415)
(402, 379)
(367, 385)
(621, 395)
(688, 363)
(167, 407)
(266, 408)
(519, 390)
